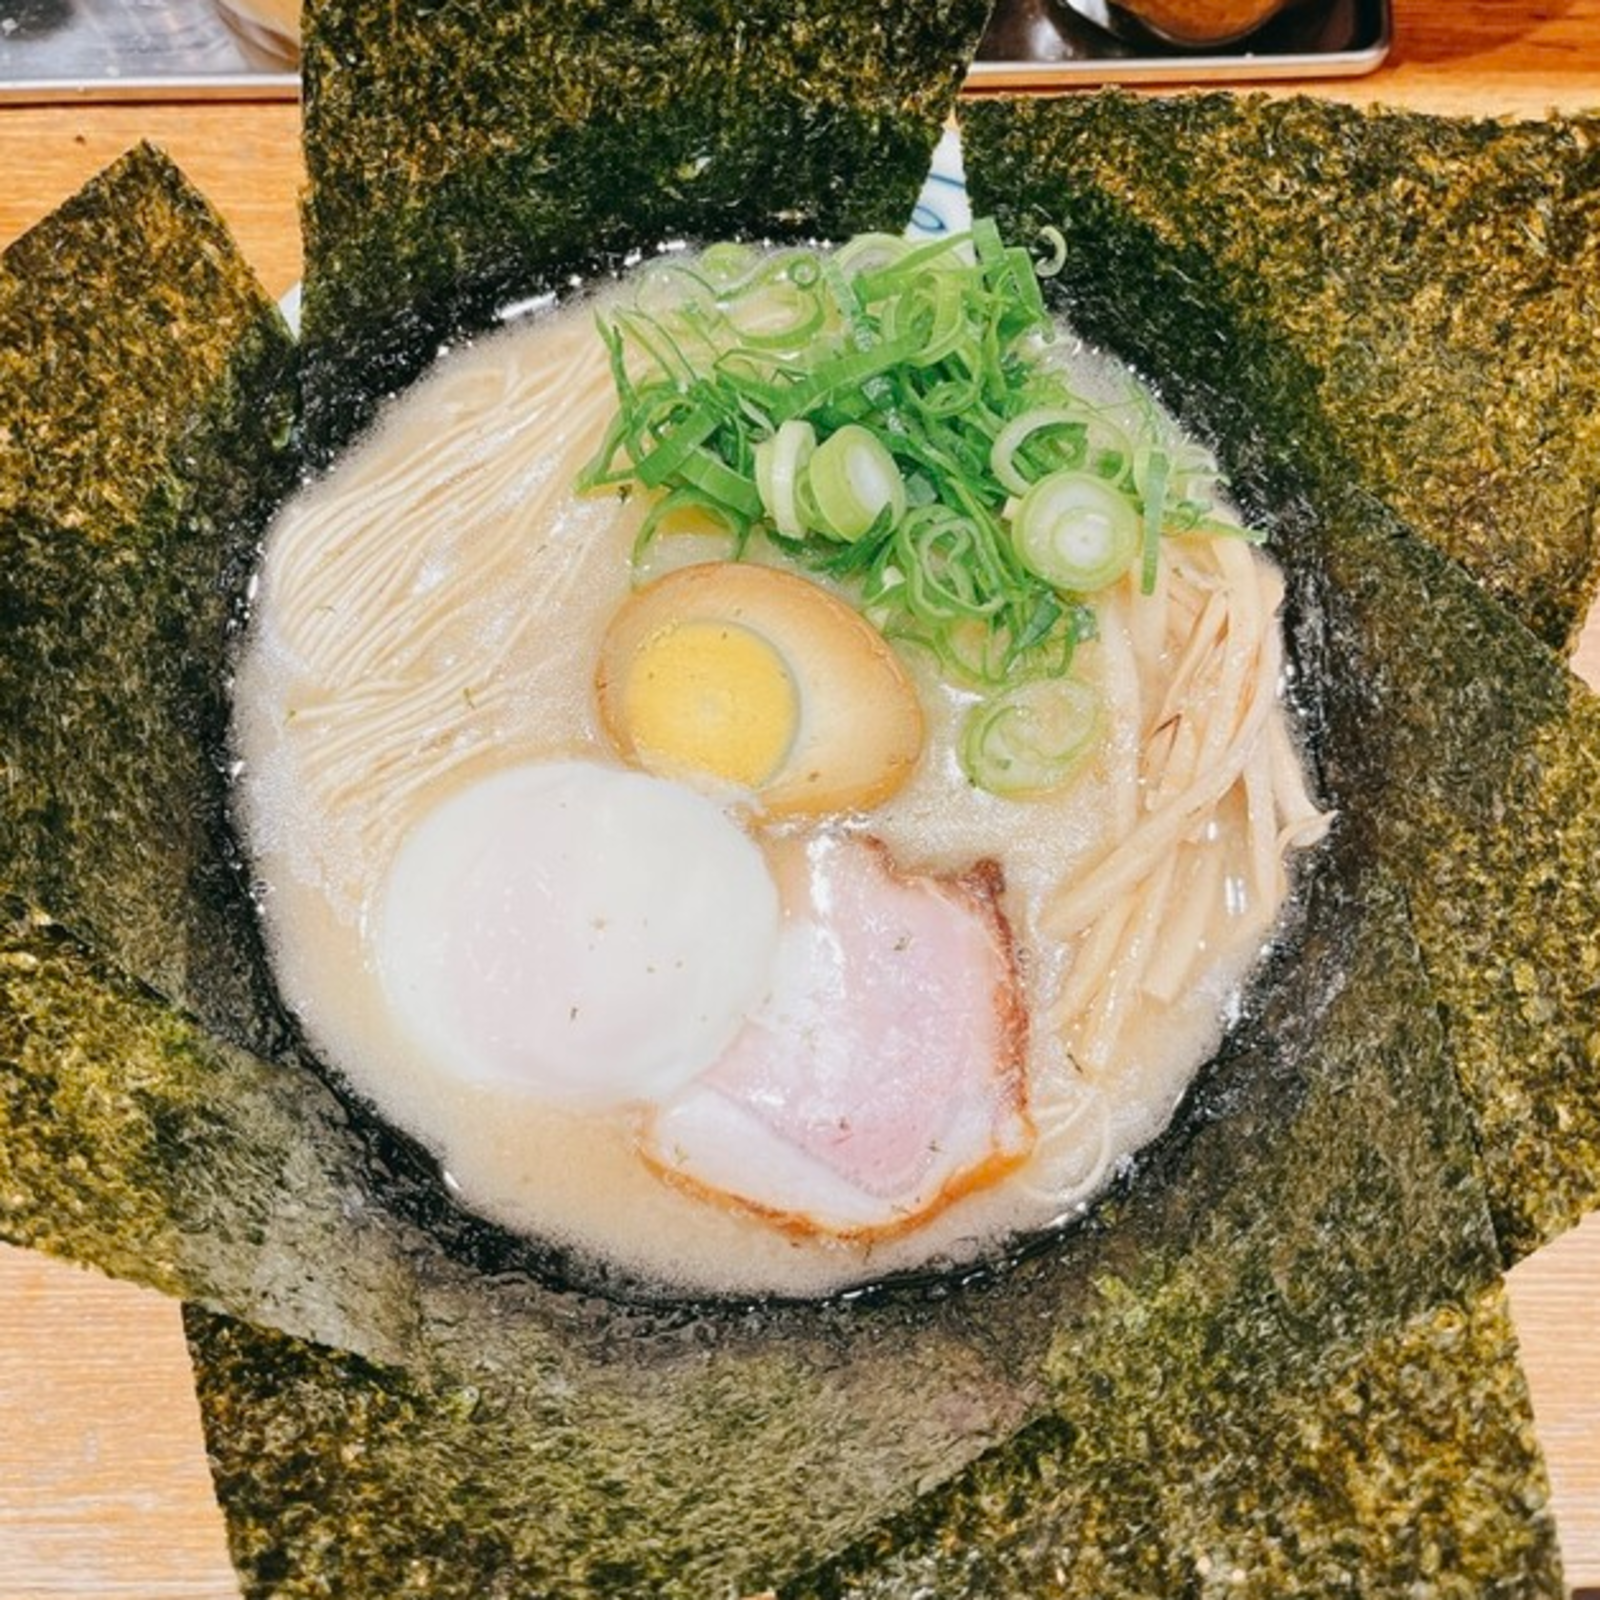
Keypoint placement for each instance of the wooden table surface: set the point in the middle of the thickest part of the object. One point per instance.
(103, 1484)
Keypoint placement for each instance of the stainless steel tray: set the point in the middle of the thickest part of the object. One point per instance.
(54, 50)
(1046, 44)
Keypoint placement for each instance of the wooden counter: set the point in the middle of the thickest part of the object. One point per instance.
(103, 1485)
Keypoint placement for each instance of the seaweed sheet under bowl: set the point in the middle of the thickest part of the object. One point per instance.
(575, 1446)
(1301, 1288)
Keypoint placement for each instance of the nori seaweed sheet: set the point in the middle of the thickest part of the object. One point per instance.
(1435, 278)
(1486, 750)
(465, 157)
(240, 1181)
(1408, 1468)
(145, 432)
(1319, 1231)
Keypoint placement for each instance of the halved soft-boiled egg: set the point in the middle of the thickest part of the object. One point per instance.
(586, 934)
(747, 677)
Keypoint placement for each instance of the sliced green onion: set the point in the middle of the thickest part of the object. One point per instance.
(933, 310)
(853, 481)
(717, 481)
(1047, 612)
(728, 261)
(1057, 259)
(948, 397)
(1217, 526)
(871, 252)
(1031, 738)
(780, 465)
(884, 282)
(1076, 532)
(887, 416)
(1011, 438)
(986, 241)
(1155, 506)
(943, 557)
(654, 467)
(783, 316)
(1029, 310)
(680, 502)
(851, 371)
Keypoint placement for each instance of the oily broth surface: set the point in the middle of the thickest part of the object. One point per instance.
(431, 611)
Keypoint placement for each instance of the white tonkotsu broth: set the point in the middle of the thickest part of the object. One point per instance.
(430, 614)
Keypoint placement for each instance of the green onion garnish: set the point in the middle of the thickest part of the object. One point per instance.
(884, 415)
(1030, 738)
(1076, 531)
(854, 481)
(1155, 505)
(781, 462)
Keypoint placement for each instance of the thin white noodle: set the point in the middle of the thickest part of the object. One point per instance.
(456, 467)
(383, 622)
(354, 609)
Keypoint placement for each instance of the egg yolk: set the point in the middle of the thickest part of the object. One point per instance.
(712, 697)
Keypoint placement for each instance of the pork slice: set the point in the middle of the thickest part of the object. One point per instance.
(885, 1074)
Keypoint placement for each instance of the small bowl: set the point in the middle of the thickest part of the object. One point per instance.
(270, 25)
(1183, 24)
